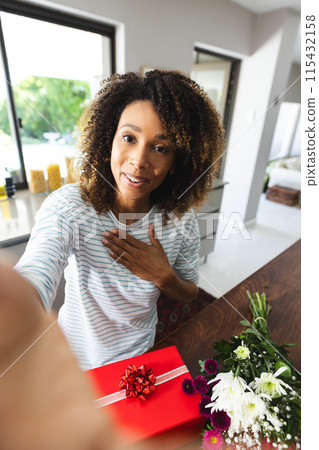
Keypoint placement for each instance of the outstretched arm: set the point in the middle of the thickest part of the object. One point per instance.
(46, 402)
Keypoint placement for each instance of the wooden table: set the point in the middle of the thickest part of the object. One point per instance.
(279, 279)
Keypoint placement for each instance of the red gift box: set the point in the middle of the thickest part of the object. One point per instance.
(167, 419)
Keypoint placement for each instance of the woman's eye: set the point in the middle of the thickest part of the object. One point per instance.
(128, 138)
(160, 149)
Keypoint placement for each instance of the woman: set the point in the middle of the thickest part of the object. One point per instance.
(126, 232)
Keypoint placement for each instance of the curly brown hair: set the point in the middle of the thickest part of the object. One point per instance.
(189, 119)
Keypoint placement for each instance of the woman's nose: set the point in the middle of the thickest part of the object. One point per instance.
(139, 157)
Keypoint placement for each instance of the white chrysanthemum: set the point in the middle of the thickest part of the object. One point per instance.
(235, 422)
(242, 351)
(269, 384)
(252, 407)
(227, 392)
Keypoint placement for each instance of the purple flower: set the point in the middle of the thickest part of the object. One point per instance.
(211, 366)
(203, 411)
(200, 385)
(220, 420)
(187, 386)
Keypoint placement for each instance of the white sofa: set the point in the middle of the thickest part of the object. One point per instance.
(285, 172)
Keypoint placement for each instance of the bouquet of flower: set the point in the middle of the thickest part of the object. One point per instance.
(250, 391)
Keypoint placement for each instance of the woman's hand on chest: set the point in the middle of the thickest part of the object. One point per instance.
(147, 261)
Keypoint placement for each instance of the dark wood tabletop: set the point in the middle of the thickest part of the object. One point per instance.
(279, 279)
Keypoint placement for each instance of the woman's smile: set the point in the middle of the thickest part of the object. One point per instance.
(135, 180)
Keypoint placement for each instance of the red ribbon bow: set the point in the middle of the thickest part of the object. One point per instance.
(138, 382)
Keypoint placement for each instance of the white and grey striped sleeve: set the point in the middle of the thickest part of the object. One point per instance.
(47, 251)
(187, 262)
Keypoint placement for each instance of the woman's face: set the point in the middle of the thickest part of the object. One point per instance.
(141, 156)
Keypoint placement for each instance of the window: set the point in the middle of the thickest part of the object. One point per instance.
(286, 139)
(47, 77)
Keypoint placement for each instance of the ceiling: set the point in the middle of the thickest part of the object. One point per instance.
(263, 6)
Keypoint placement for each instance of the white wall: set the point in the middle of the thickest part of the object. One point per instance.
(288, 24)
(163, 33)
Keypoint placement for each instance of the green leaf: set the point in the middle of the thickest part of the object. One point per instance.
(270, 349)
(277, 396)
(287, 372)
(252, 331)
(201, 364)
(245, 323)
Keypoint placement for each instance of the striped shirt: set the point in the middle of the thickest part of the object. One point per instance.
(109, 313)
